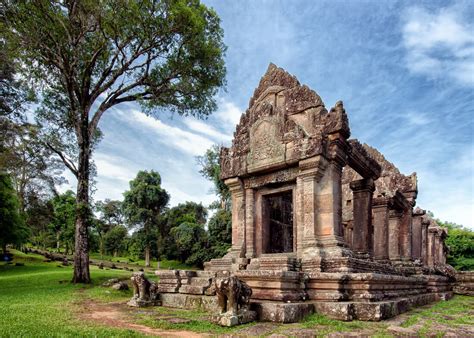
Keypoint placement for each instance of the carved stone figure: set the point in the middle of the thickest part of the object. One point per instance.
(145, 292)
(233, 296)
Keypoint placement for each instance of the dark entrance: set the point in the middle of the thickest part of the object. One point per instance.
(279, 210)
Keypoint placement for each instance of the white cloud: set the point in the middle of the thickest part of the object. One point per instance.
(228, 114)
(439, 44)
(173, 136)
(206, 129)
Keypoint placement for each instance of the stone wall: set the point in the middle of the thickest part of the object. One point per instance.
(464, 283)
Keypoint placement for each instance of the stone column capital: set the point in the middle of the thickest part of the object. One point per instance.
(363, 185)
(235, 184)
(313, 167)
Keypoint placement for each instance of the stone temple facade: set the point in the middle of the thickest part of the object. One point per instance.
(320, 222)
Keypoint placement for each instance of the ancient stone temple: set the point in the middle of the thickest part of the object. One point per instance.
(320, 222)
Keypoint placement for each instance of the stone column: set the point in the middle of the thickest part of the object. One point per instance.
(424, 241)
(238, 215)
(299, 214)
(394, 234)
(250, 223)
(405, 234)
(380, 211)
(438, 247)
(362, 235)
(329, 206)
(431, 256)
(417, 236)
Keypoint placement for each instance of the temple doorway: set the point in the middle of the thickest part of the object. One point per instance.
(279, 222)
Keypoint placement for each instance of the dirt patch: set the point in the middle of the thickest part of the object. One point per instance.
(115, 315)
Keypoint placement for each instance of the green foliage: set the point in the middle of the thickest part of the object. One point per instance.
(115, 241)
(89, 56)
(190, 212)
(460, 241)
(210, 169)
(64, 217)
(191, 243)
(145, 200)
(14, 94)
(220, 233)
(12, 225)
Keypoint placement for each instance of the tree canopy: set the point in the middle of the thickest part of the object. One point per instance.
(12, 226)
(144, 203)
(88, 56)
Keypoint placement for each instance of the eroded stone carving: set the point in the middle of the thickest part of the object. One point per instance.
(233, 296)
(145, 292)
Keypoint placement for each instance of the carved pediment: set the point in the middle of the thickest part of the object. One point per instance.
(285, 122)
(266, 145)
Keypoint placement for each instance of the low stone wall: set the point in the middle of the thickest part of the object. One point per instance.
(464, 283)
(288, 296)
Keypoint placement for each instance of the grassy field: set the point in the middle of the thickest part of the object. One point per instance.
(38, 300)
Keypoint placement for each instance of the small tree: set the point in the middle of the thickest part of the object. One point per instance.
(220, 233)
(144, 203)
(89, 56)
(211, 169)
(64, 215)
(12, 226)
(115, 241)
(111, 215)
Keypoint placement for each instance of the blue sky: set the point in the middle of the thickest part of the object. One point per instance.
(404, 69)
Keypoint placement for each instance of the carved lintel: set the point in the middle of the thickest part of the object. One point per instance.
(400, 202)
(338, 149)
(360, 160)
(281, 176)
(382, 201)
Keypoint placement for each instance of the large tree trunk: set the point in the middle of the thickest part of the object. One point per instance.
(147, 255)
(81, 252)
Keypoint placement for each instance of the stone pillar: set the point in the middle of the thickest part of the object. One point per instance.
(238, 215)
(431, 255)
(380, 211)
(405, 234)
(417, 236)
(440, 259)
(424, 241)
(329, 207)
(299, 214)
(394, 220)
(250, 223)
(362, 236)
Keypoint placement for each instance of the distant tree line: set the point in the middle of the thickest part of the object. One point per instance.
(141, 226)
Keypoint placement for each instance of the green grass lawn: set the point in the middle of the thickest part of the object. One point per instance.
(38, 300)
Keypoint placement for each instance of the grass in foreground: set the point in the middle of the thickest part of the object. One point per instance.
(38, 300)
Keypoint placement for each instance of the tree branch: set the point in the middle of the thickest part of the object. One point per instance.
(65, 160)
